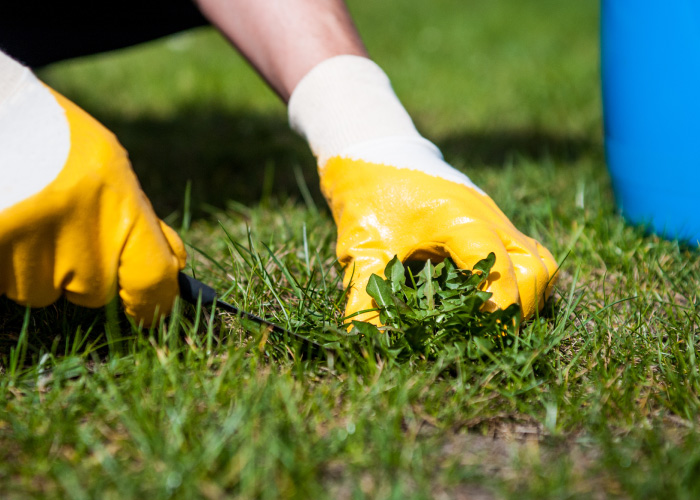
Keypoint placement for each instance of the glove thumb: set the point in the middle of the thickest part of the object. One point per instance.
(148, 269)
(357, 275)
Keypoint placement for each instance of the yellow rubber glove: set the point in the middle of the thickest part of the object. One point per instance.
(382, 211)
(73, 218)
(392, 194)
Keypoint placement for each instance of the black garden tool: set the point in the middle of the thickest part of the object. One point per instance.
(191, 289)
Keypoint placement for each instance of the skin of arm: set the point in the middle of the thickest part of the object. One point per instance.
(285, 39)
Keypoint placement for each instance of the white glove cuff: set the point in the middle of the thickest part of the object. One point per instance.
(343, 101)
(11, 75)
(34, 134)
(345, 106)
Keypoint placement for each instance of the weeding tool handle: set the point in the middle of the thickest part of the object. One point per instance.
(191, 288)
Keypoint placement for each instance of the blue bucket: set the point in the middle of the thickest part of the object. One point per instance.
(651, 106)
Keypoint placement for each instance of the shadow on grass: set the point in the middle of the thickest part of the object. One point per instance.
(244, 156)
(226, 156)
(496, 149)
(54, 329)
(65, 329)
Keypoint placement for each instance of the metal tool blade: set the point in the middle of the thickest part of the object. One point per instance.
(191, 289)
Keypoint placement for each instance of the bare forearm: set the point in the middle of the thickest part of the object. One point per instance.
(284, 39)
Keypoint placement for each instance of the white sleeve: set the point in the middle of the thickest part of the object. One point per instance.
(344, 101)
(34, 134)
(11, 75)
(345, 106)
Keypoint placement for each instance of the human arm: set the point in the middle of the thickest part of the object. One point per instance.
(285, 39)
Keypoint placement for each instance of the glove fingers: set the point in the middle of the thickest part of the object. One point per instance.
(23, 275)
(534, 267)
(148, 270)
(550, 263)
(176, 245)
(357, 276)
(533, 279)
(470, 244)
(39, 262)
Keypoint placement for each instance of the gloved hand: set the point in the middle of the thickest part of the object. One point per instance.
(392, 194)
(73, 218)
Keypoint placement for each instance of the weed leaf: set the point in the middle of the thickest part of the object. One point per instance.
(438, 308)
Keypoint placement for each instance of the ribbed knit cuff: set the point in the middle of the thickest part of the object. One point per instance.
(11, 75)
(34, 134)
(344, 101)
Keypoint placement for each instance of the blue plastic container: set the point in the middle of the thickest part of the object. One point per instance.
(651, 105)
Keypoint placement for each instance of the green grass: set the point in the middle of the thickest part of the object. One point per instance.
(597, 399)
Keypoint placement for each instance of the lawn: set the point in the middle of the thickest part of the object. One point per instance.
(596, 398)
